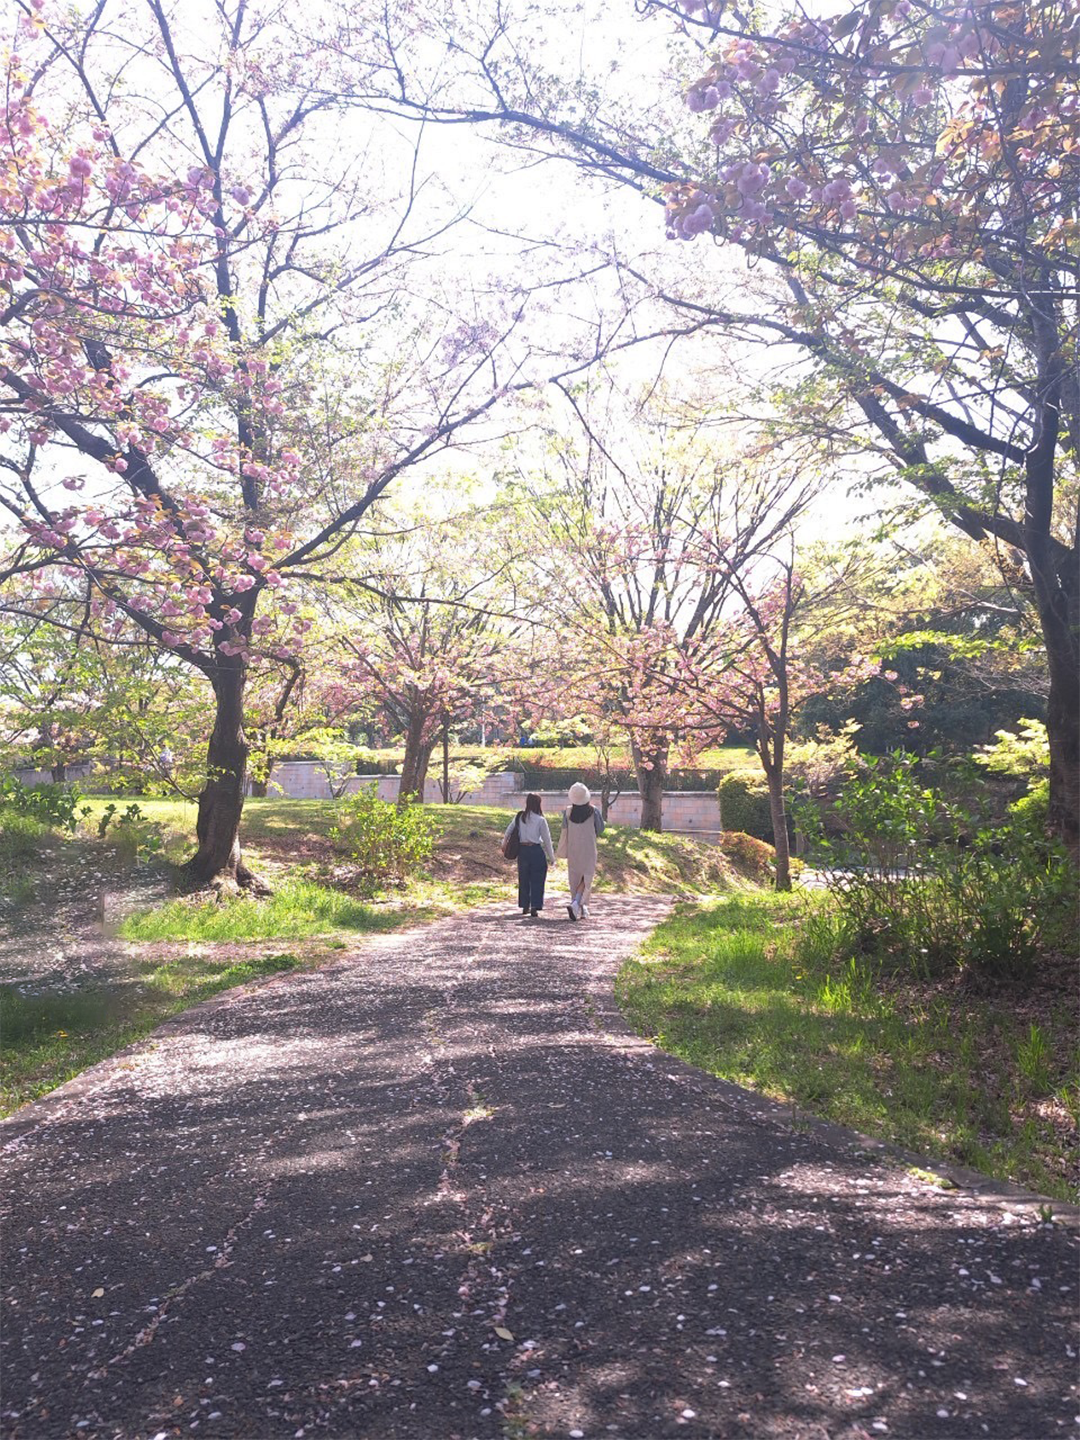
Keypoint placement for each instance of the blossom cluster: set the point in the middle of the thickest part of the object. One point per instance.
(888, 120)
(115, 344)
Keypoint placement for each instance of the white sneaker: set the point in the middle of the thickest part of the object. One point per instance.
(585, 912)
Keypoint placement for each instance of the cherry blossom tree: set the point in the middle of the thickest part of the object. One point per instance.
(427, 621)
(653, 523)
(903, 180)
(219, 352)
(424, 666)
(753, 676)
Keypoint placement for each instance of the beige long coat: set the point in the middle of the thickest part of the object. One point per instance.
(577, 845)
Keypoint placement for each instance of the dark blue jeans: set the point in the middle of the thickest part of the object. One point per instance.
(532, 875)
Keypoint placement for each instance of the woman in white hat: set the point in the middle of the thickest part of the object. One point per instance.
(582, 823)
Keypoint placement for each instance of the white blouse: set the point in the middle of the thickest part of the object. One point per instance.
(534, 831)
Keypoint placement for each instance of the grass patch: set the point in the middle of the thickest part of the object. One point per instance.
(735, 989)
(23, 841)
(643, 862)
(288, 841)
(21, 837)
(297, 909)
(172, 820)
(47, 1038)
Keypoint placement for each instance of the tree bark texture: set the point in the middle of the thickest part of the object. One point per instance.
(778, 815)
(414, 767)
(1056, 585)
(1055, 575)
(1063, 726)
(222, 800)
(652, 768)
(1063, 730)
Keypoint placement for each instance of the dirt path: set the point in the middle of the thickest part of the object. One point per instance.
(437, 1192)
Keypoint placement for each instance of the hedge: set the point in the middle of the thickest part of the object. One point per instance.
(543, 777)
(750, 856)
(744, 804)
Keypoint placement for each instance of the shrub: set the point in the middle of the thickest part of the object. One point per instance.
(385, 842)
(750, 856)
(369, 763)
(920, 881)
(20, 837)
(1024, 753)
(134, 836)
(1032, 811)
(54, 805)
(744, 804)
(822, 762)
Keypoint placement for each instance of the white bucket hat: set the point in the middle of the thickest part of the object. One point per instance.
(579, 793)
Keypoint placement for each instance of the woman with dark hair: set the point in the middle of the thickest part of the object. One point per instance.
(535, 854)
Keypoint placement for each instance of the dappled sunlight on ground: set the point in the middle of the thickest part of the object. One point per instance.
(436, 1189)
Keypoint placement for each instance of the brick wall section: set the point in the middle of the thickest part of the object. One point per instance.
(693, 811)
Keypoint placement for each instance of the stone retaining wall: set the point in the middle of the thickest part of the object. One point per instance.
(691, 811)
(694, 812)
(306, 780)
(81, 770)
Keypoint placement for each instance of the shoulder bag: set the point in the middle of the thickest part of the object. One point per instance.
(512, 843)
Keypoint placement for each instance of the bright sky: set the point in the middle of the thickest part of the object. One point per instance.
(517, 197)
(525, 210)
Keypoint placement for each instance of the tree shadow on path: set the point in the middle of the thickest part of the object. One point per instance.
(437, 1191)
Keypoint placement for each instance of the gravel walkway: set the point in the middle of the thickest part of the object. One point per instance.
(437, 1192)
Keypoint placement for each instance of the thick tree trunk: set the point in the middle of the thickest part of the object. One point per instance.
(1059, 615)
(1065, 772)
(58, 772)
(414, 767)
(1063, 732)
(222, 801)
(1055, 576)
(652, 770)
(423, 762)
(259, 788)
